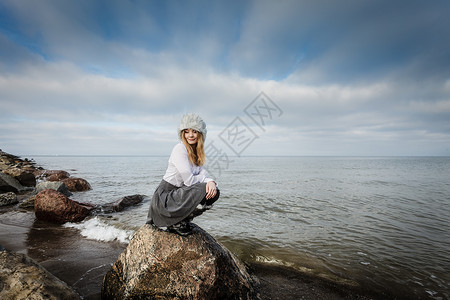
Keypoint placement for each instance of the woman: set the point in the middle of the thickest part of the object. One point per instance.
(186, 191)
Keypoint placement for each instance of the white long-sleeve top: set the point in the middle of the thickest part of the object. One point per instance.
(181, 171)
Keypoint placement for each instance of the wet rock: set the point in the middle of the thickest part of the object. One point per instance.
(127, 201)
(28, 203)
(25, 178)
(7, 160)
(54, 185)
(10, 184)
(75, 184)
(8, 199)
(58, 177)
(3, 164)
(52, 206)
(161, 265)
(22, 278)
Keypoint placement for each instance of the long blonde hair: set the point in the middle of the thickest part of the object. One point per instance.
(196, 153)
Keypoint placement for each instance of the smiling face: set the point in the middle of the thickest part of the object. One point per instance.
(191, 136)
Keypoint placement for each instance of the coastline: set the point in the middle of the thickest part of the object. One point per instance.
(82, 263)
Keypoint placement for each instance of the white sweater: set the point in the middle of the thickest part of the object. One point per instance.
(181, 171)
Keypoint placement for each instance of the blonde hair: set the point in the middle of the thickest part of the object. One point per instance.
(196, 153)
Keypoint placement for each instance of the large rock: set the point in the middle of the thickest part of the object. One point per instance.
(25, 177)
(8, 199)
(22, 278)
(161, 265)
(54, 185)
(51, 205)
(10, 184)
(77, 184)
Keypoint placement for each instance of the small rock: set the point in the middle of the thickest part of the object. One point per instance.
(48, 173)
(28, 204)
(57, 177)
(8, 199)
(75, 184)
(53, 206)
(126, 201)
(23, 278)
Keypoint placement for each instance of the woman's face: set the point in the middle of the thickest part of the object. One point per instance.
(191, 136)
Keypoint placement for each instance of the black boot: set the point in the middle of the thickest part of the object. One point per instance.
(183, 228)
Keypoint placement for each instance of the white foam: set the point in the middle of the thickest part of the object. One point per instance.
(96, 229)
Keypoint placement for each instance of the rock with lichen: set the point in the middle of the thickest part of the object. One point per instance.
(162, 265)
(22, 278)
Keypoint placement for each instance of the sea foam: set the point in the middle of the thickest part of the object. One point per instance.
(96, 229)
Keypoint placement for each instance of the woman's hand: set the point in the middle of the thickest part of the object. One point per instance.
(211, 190)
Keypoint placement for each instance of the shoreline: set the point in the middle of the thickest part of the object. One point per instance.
(82, 263)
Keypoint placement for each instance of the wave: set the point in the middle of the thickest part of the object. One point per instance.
(97, 229)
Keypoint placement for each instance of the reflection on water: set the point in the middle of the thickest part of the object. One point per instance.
(46, 240)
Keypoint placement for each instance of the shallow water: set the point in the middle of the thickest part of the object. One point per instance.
(379, 221)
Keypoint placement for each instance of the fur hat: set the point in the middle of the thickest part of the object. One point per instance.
(192, 121)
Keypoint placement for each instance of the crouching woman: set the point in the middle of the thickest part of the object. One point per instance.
(186, 190)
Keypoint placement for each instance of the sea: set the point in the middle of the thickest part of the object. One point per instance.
(380, 222)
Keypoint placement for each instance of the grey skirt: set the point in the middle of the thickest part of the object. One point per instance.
(171, 204)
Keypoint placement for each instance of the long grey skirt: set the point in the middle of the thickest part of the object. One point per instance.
(171, 204)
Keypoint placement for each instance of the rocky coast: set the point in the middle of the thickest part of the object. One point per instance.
(35, 202)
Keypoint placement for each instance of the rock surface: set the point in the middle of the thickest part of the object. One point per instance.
(7, 160)
(22, 278)
(127, 201)
(8, 199)
(47, 173)
(75, 184)
(10, 184)
(161, 265)
(51, 205)
(28, 203)
(54, 185)
(25, 177)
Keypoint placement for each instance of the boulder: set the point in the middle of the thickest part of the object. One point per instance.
(162, 265)
(54, 185)
(10, 184)
(126, 201)
(25, 178)
(51, 205)
(22, 278)
(8, 199)
(77, 184)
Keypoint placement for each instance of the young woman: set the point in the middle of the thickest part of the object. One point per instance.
(186, 190)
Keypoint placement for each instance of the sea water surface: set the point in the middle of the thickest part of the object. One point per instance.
(380, 221)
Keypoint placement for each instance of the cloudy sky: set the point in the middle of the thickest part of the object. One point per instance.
(346, 77)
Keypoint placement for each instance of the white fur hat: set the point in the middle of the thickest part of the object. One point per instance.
(192, 121)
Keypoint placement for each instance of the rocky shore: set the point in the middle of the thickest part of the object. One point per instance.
(33, 204)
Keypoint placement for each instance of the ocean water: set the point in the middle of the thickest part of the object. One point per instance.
(382, 222)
